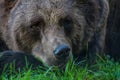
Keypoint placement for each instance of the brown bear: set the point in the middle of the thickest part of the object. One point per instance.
(54, 30)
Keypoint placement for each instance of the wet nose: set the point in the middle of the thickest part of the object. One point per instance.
(62, 52)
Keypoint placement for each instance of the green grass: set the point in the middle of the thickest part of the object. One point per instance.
(104, 69)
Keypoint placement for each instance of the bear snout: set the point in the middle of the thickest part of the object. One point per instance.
(62, 52)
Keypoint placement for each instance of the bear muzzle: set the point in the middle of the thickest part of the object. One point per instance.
(61, 52)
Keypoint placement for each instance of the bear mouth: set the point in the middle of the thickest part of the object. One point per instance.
(62, 63)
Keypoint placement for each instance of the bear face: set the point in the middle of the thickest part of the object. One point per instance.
(52, 30)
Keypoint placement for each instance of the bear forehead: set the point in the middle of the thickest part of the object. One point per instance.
(47, 9)
(48, 4)
(44, 6)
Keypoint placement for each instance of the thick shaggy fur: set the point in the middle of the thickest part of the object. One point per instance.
(39, 26)
(17, 60)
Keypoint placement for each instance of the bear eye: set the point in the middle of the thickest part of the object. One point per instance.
(36, 25)
(67, 23)
(34, 29)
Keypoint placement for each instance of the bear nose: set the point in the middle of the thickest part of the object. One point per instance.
(62, 52)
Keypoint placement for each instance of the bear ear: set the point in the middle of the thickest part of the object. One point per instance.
(10, 4)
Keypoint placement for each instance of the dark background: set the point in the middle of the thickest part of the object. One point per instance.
(113, 30)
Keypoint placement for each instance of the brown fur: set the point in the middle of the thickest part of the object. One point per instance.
(37, 26)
